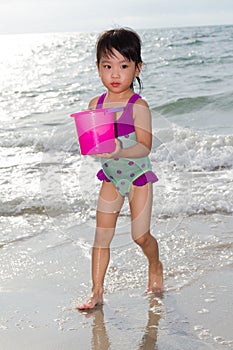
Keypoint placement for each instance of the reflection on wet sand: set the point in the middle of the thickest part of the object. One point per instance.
(100, 338)
(149, 339)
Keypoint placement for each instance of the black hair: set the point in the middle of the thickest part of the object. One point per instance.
(124, 40)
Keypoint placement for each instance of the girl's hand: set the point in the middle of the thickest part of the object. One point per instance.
(113, 154)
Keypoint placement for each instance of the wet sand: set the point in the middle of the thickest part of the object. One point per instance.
(38, 306)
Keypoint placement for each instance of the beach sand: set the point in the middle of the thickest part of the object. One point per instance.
(38, 302)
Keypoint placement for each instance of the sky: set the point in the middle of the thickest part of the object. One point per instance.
(41, 16)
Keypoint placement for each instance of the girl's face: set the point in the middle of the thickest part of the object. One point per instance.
(117, 73)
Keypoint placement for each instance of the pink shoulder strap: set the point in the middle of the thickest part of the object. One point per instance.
(134, 98)
(101, 100)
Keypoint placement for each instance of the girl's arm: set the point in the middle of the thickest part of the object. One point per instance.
(142, 124)
(93, 102)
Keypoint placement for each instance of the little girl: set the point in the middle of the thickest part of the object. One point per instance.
(127, 170)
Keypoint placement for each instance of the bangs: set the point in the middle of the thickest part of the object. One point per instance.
(108, 51)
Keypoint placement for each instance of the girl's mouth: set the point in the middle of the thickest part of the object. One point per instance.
(115, 84)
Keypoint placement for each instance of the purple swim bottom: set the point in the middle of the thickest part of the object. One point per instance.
(143, 179)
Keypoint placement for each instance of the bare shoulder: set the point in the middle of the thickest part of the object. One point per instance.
(141, 107)
(142, 102)
(142, 115)
(93, 102)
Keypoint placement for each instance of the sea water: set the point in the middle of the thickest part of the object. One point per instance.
(49, 190)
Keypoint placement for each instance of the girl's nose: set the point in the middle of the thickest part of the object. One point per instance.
(115, 72)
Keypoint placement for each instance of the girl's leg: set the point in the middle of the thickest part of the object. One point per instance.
(108, 208)
(141, 205)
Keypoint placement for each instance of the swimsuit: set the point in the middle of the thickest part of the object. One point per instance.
(123, 172)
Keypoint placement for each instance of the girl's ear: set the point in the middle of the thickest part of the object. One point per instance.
(138, 69)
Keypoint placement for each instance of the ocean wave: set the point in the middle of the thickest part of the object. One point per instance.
(176, 203)
(195, 151)
(182, 105)
(187, 42)
(21, 206)
(222, 102)
(186, 61)
(57, 136)
(188, 211)
(45, 206)
(185, 187)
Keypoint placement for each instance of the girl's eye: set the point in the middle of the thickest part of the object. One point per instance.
(124, 66)
(107, 66)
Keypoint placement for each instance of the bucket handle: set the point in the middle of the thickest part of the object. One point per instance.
(116, 109)
(110, 110)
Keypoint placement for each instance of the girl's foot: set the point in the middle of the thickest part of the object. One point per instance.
(95, 300)
(155, 284)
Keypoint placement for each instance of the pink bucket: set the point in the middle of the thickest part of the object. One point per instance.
(95, 129)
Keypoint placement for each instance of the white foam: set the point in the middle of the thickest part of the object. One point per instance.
(195, 172)
(193, 150)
